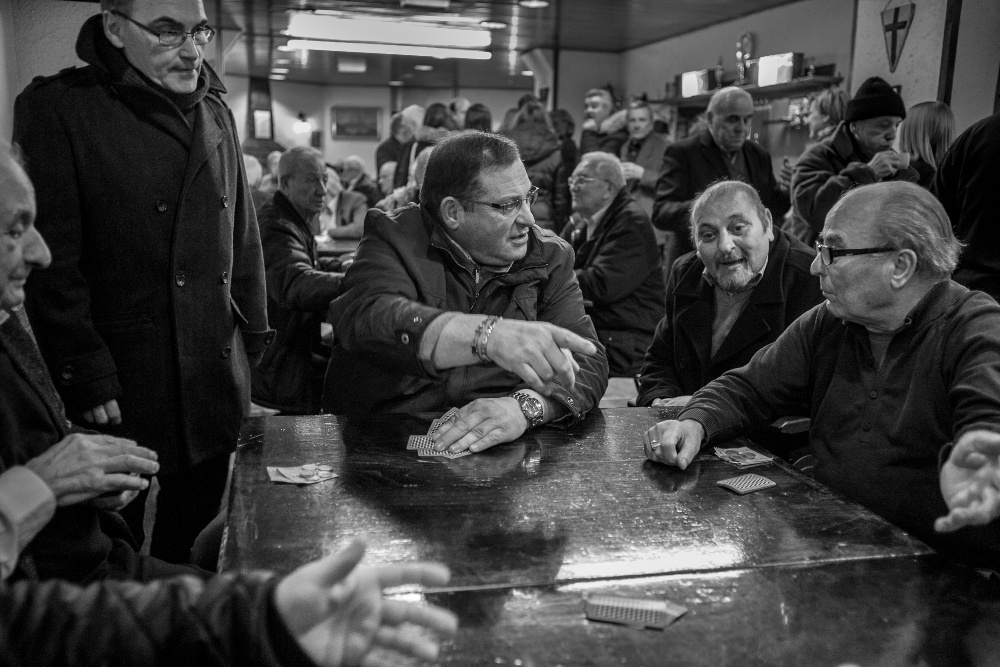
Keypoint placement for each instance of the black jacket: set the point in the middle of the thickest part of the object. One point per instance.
(299, 292)
(157, 267)
(966, 184)
(691, 165)
(679, 361)
(539, 149)
(620, 275)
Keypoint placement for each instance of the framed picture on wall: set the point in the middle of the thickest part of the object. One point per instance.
(356, 123)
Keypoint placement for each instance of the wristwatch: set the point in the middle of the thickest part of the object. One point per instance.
(531, 407)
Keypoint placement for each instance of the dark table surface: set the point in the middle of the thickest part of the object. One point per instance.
(794, 574)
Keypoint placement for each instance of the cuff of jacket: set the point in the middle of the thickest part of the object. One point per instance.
(644, 399)
(255, 342)
(82, 395)
(26, 505)
(703, 417)
(567, 399)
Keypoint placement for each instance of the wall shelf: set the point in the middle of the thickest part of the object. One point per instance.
(801, 86)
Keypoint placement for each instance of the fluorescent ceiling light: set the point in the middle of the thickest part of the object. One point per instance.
(534, 4)
(352, 65)
(386, 49)
(308, 25)
(492, 25)
(279, 70)
(423, 68)
(395, 83)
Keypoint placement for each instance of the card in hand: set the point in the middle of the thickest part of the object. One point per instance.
(446, 454)
(419, 442)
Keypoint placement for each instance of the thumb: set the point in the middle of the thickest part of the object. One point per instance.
(567, 339)
(334, 568)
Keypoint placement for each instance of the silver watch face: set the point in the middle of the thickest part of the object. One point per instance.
(531, 407)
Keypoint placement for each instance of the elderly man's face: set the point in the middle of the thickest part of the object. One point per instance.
(385, 176)
(640, 123)
(492, 238)
(21, 246)
(876, 134)
(590, 193)
(405, 132)
(857, 287)
(306, 186)
(730, 120)
(597, 108)
(175, 68)
(732, 241)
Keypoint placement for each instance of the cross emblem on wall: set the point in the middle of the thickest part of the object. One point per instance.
(896, 24)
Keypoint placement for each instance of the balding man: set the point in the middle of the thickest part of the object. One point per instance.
(354, 178)
(745, 283)
(617, 261)
(601, 131)
(717, 152)
(899, 371)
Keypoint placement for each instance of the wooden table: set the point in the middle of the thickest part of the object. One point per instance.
(530, 527)
(336, 247)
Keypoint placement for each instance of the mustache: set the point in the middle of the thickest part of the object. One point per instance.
(729, 257)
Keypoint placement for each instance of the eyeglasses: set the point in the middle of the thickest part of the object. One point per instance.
(511, 206)
(829, 254)
(201, 35)
(582, 180)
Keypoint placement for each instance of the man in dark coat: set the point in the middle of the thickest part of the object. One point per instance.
(617, 261)
(714, 322)
(965, 183)
(354, 178)
(299, 290)
(155, 301)
(858, 153)
(602, 130)
(401, 131)
(720, 151)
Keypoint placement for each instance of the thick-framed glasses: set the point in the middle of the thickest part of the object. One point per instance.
(201, 35)
(511, 206)
(582, 180)
(828, 254)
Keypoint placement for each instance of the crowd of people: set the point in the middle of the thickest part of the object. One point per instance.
(507, 271)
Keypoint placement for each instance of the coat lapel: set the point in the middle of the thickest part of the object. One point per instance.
(693, 319)
(209, 133)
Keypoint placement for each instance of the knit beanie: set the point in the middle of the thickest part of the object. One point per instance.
(875, 98)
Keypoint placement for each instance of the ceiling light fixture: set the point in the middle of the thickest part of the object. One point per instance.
(395, 83)
(527, 72)
(308, 25)
(534, 4)
(386, 49)
(423, 68)
(279, 70)
(302, 126)
(492, 25)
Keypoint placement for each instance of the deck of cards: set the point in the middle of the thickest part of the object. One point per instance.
(634, 612)
(310, 473)
(742, 457)
(423, 444)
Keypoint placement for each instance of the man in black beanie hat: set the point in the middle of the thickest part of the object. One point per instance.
(859, 152)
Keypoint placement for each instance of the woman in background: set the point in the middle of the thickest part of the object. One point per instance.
(478, 117)
(926, 133)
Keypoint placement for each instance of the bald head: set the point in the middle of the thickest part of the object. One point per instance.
(730, 112)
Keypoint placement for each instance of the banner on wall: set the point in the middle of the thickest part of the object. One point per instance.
(896, 23)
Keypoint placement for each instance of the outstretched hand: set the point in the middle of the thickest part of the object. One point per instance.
(970, 481)
(336, 611)
(540, 353)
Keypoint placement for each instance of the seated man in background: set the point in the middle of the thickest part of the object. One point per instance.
(354, 178)
(859, 152)
(342, 214)
(642, 159)
(898, 363)
(719, 151)
(745, 283)
(617, 261)
(462, 300)
(300, 287)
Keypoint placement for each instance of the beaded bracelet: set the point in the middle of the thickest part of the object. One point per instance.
(482, 337)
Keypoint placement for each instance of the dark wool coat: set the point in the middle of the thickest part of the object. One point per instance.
(691, 165)
(157, 265)
(620, 275)
(680, 361)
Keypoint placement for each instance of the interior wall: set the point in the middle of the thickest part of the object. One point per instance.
(977, 62)
(819, 29)
(8, 71)
(919, 66)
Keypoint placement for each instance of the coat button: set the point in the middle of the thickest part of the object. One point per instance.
(405, 339)
(180, 279)
(226, 352)
(224, 278)
(866, 427)
(873, 395)
(225, 201)
(161, 206)
(67, 373)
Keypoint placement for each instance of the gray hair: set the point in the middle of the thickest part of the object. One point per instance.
(606, 166)
(726, 189)
(293, 159)
(906, 216)
(724, 94)
(602, 93)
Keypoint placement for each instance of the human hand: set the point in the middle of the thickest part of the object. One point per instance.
(885, 163)
(481, 424)
(539, 353)
(114, 503)
(82, 466)
(335, 610)
(673, 442)
(104, 413)
(632, 170)
(970, 482)
(675, 402)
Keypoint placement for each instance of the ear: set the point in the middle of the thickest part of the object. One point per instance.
(113, 26)
(452, 213)
(768, 225)
(904, 268)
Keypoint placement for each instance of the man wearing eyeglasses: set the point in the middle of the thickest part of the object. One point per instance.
(462, 301)
(617, 261)
(899, 371)
(155, 300)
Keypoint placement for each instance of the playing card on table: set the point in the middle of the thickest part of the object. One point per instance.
(309, 473)
(743, 457)
(745, 484)
(635, 612)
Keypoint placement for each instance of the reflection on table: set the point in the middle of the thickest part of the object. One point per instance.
(328, 247)
(530, 527)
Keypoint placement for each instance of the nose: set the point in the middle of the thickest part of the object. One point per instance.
(189, 49)
(524, 216)
(817, 268)
(726, 244)
(36, 251)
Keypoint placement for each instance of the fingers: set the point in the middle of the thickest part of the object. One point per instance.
(422, 574)
(975, 448)
(125, 483)
(397, 612)
(100, 415)
(334, 568)
(113, 413)
(567, 339)
(561, 366)
(88, 416)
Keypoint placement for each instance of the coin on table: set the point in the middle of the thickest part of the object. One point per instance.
(324, 474)
(324, 468)
(309, 466)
